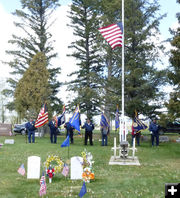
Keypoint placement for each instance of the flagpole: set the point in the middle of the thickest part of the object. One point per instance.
(122, 132)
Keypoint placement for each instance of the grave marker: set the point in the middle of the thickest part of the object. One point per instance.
(33, 167)
(76, 167)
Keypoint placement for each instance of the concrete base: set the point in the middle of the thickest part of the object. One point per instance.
(128, 161)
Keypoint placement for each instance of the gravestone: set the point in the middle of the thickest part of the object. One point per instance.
(144, 138)
(33, 167)
(76, 167)
(9, 141)
(5, 129)
(178, 140)
(163, 139)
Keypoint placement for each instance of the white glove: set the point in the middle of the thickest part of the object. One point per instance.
(151, 132)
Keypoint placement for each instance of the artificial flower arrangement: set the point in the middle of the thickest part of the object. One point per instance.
(88, 173)
(53, 165)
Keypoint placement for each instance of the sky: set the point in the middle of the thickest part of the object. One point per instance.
(64, 38)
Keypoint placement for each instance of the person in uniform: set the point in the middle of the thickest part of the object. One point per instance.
(69, 131)
(89, 127)
(30, 127)
(53, 125)
(154, 130)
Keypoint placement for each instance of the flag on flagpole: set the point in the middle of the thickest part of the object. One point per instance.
(113, 34)
(104, 121)
(66, 142)
(83, 190)
(117, 121)
(75, 120)
(138, 125)
(42, 117)
(21, 170)
(65, 170)
(42, 190)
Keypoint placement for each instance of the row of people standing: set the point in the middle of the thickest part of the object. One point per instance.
(53, 125)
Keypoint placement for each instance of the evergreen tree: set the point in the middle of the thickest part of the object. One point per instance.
(87, 81)
(33, 88)
(34, 21)
(142, 79)
(174, 74)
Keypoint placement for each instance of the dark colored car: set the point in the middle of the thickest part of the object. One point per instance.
(20, 128)
(171, 127)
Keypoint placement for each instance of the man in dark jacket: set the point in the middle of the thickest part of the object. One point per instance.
(154, 129)
(89, 127)
(53, 125)
(31, 130)
(69, 131)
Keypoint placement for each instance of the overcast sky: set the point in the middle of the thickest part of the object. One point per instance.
(65, 37)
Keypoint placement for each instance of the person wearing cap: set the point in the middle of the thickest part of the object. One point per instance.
(53, 125)
(89, 127)
(154, 130)
(30, 127)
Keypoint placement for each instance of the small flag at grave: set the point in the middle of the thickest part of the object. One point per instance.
(66, 142)
(21, 170)
(42, 190)
(65, 170)
(83, 190)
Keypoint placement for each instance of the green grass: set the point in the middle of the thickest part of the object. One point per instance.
(158, 166)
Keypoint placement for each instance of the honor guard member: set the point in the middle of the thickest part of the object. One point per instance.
(89, 127)
(30, 127)
(154, 130)
(69, 131)
(53, 125)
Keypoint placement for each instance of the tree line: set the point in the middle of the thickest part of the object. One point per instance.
(97, 82)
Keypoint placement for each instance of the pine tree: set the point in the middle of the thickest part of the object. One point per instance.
(33, 88)
(174, 74)
(34, 21)
(87, 81)
(142, 79)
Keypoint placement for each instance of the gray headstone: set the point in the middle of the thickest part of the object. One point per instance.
(33, 167)
(9, 141)
(163, 139)
(76, 167)
(178, 140)
(144, 138)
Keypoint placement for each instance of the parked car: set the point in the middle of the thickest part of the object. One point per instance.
(20, 128)
(171, 127)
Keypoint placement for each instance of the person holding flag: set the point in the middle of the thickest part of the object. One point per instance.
(30, 127)
(137, 126)
(104, 129)
(89, 127)
(69, 131)
(53, 125)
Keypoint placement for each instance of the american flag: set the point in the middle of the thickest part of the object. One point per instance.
(21, 170)
(65, 170)
(113, 34)
(42, 190)
(42, 117)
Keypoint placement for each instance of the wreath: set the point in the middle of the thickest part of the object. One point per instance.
(55, 162)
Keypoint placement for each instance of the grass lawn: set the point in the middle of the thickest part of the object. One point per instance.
(158, 166)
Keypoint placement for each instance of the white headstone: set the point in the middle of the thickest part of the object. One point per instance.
(33, 167)
(76, 167)
(9, 141)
